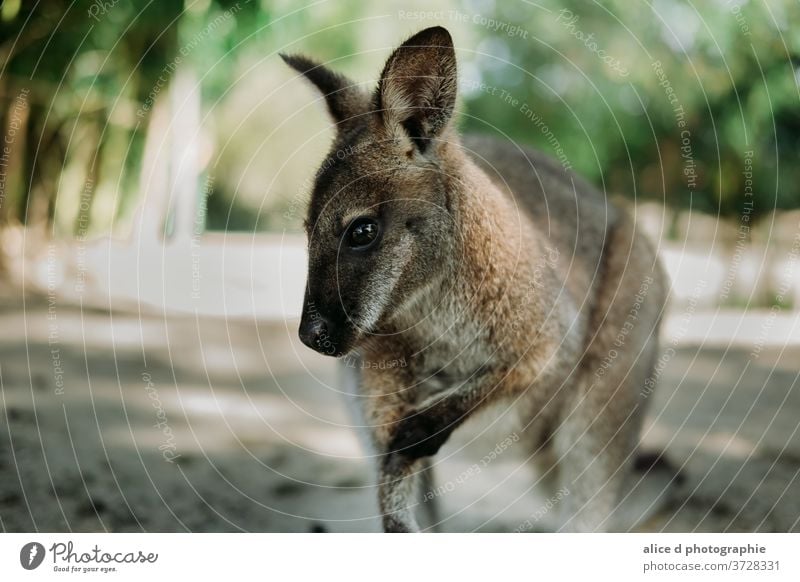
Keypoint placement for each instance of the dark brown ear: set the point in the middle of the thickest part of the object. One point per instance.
(345, 99)
(417, 90)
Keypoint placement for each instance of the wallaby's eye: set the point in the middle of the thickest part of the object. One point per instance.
(362, 233)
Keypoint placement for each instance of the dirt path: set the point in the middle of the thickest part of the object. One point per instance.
(124, 423)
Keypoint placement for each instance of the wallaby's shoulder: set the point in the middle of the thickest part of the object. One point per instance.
(572, 215)
(533, 175)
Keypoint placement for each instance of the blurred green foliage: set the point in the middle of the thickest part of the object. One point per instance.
(78, 70)
(732, 67)
(658, 100)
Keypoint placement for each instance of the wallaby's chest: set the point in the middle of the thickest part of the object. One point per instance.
(446, 349)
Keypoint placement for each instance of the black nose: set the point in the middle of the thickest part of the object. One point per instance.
(314, 331)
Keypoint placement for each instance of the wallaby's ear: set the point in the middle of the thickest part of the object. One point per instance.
(344, 97)
(417, 90)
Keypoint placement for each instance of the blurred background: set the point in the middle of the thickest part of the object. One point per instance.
(154, 170)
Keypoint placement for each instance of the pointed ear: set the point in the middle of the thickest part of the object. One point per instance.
(417, 90)
(345, 99)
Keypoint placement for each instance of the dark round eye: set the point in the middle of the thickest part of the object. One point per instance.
(362, 233)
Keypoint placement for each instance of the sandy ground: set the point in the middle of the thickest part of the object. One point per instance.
(122, 422)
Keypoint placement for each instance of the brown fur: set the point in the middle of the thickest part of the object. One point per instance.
(499, 278)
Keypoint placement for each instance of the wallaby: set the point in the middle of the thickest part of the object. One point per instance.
(492, 273)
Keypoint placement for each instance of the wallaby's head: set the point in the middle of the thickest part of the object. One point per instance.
(379, 224)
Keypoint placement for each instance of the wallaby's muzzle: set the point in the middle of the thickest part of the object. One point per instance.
(314, 332)
(320, 331)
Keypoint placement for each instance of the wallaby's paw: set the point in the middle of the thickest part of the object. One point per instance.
(393, 525)
(420, 435)
(648, 461)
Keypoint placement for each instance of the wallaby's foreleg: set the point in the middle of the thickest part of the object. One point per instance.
(397, 492)
(403, 485)
(427, 497)
(386, 401)
(418, 435)
(396, 477)
(423, 431)
(408, 433)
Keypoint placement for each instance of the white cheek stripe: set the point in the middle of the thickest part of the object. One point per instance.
(378, 291)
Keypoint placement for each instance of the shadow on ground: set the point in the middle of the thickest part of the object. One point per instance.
(139, 423)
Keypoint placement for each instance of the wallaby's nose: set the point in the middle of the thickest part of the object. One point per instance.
(313, 332)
